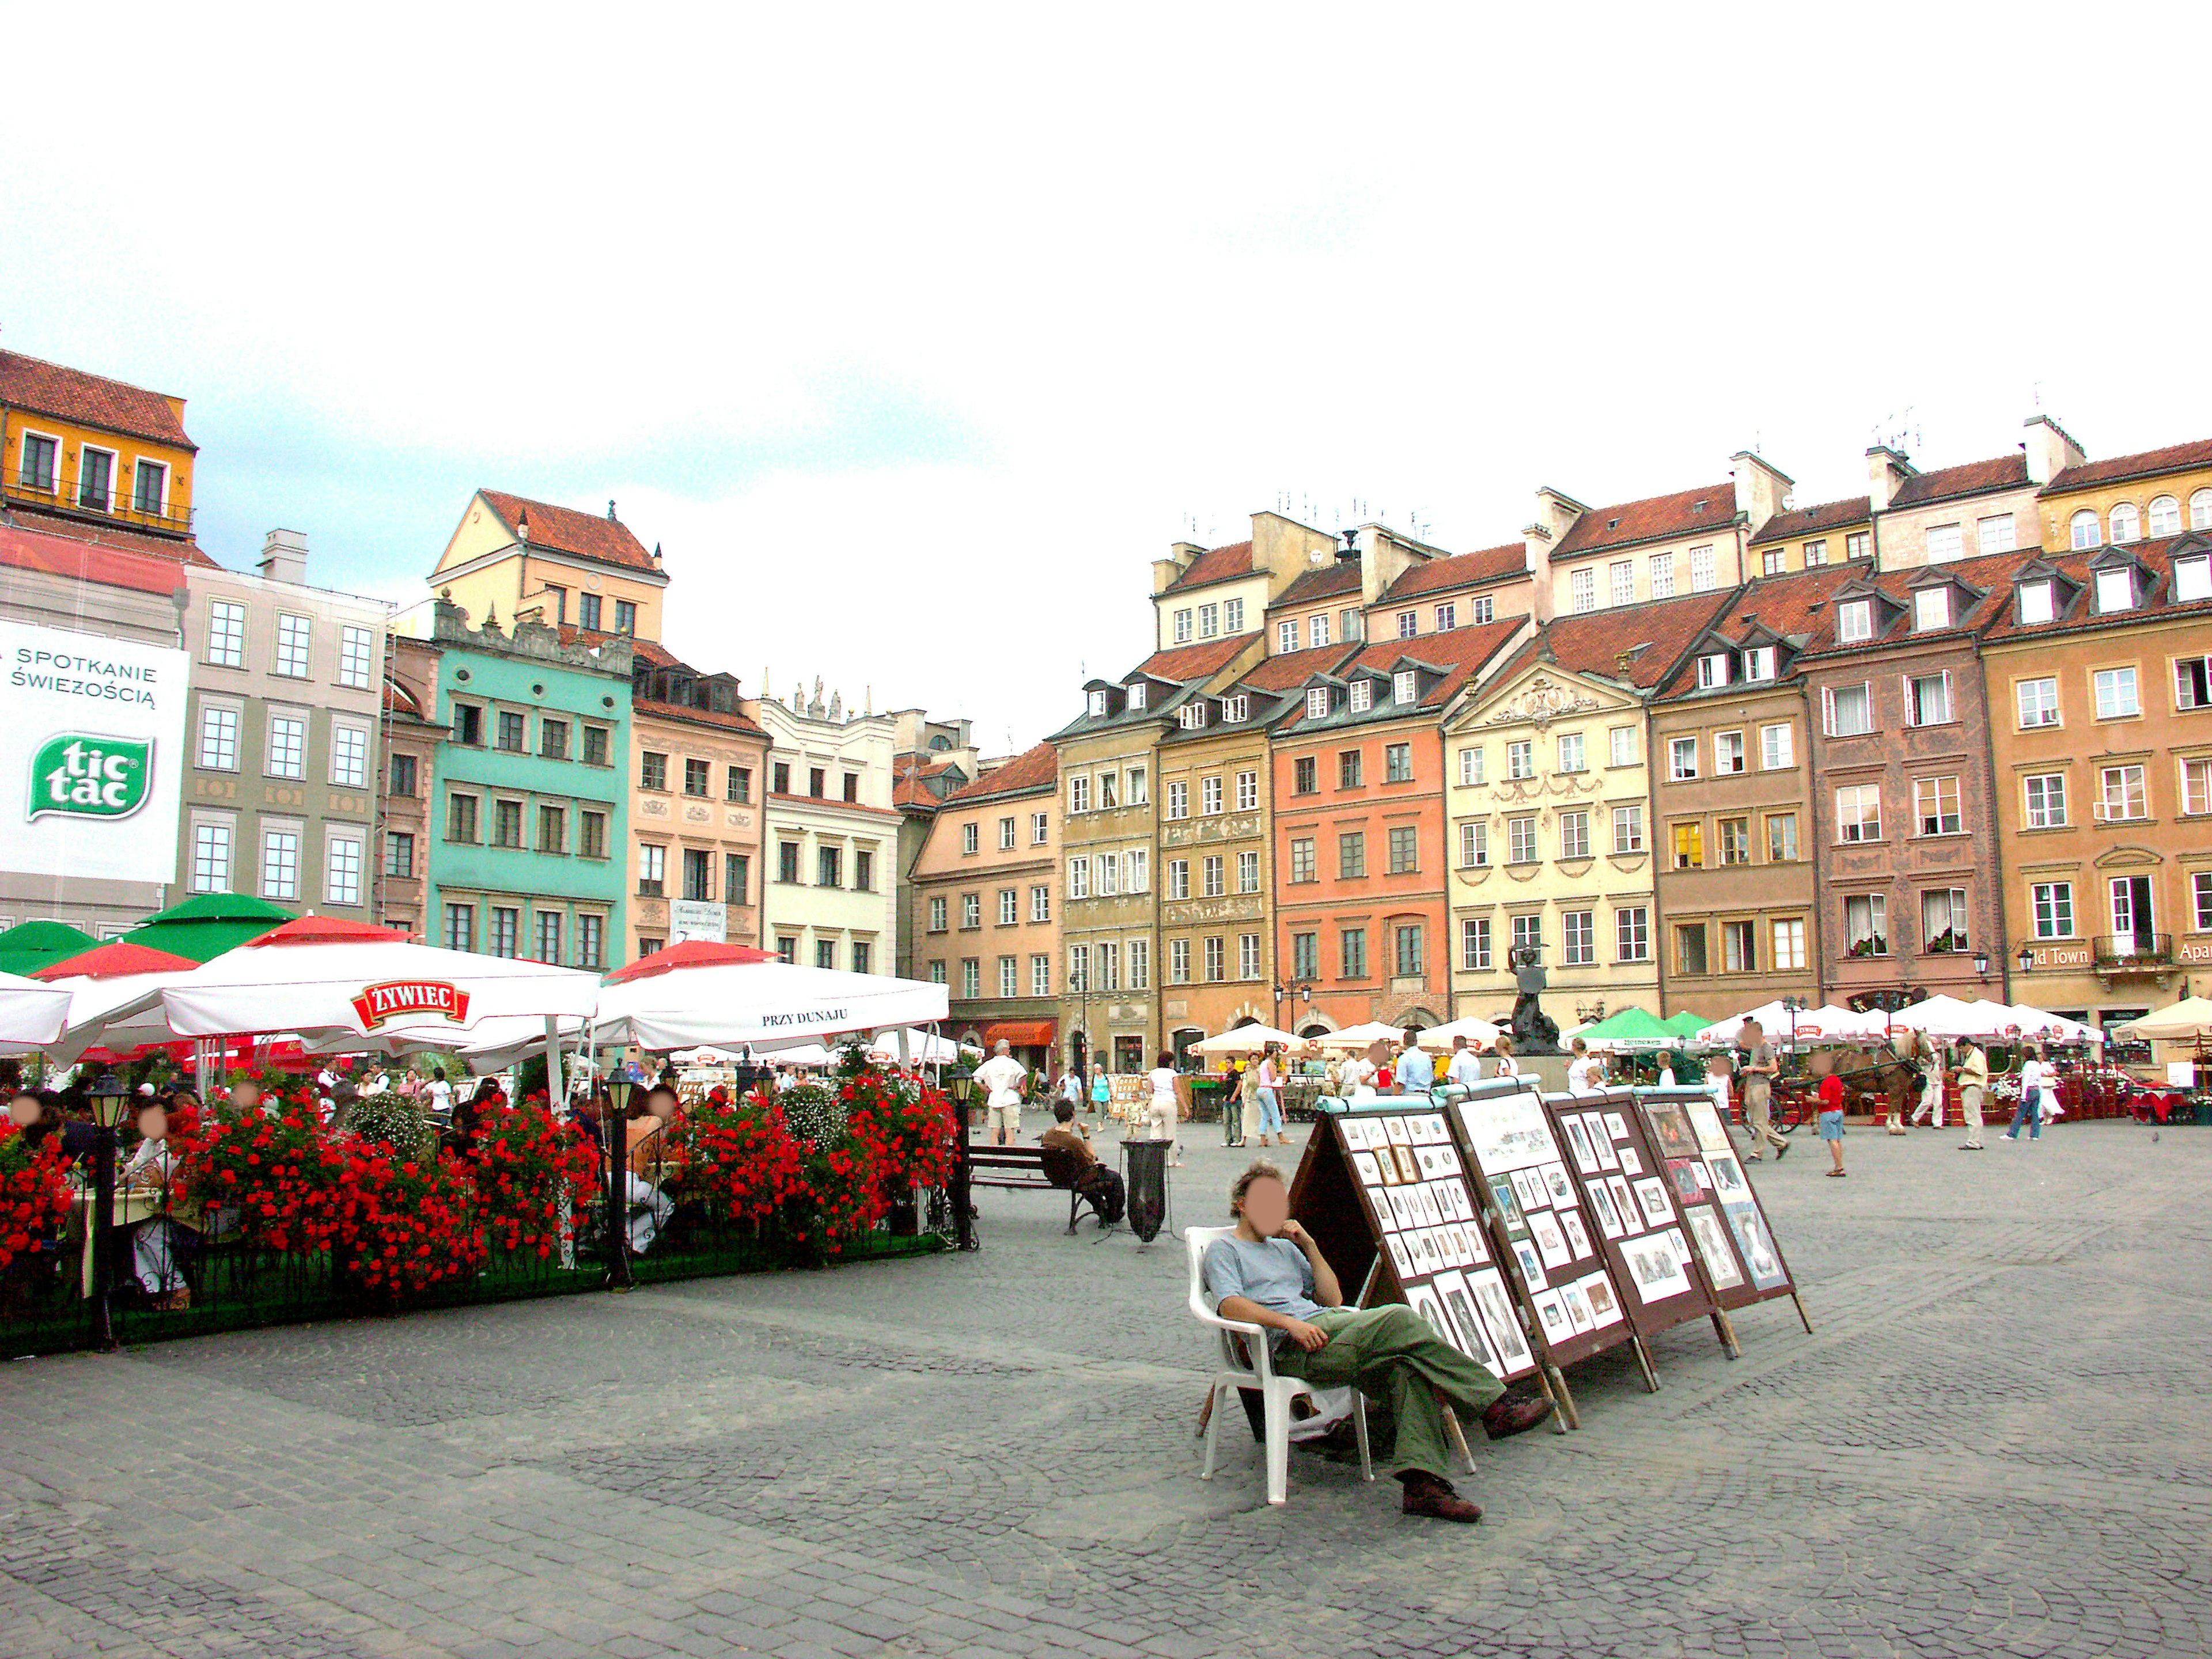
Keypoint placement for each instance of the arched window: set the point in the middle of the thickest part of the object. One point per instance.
(2200, 510)
(2085, 529)
(2127, 523)
(2164, 516)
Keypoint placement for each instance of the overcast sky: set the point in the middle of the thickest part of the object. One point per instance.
(914, 336)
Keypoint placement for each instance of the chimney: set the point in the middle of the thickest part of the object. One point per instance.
(2050, 449)
(1164, 571)
(284, 557)
(522, 525)
(1760, 489)
(1886, 470)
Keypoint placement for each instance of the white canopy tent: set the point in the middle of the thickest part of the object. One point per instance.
(1827, 1023)
(910, 1044)
(1248, 1039)
(1943, 1016)
(1359, 1036)
(31, 1014)
(2190, 1019)
(99, 980)
(1476, 1031)
(765, 1006)
(2035, 1024)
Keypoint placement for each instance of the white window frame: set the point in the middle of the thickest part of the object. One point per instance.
(208, 830)
(268, 749)
(234, 713)
(342, 730)
(234, 654)
(335, 844)
(2116, 681)
(301, 633)
(271, 830)
(1777, 748)
(356, 657)
(1663, 576)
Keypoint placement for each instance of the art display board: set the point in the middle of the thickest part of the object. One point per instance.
(1637, 1198)
(1387, 1198)
(1727, 1222)
(1543, 1231)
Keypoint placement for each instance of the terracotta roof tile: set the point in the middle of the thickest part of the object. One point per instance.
(1461, 654)
(1654, 636)
(1028, 773)
(1991, 573)
(85, 561)
(176, 549)
(1291, 669)
(2149, 463)
(1812, 520)
(1338, 576)
(1786, 604)
(564, 529)
(2081, 615)
(70, 394)
(398, 699)
(1218, 564)
(724, 720)
(1974, 478)
(1656, 518)
(1191, 662)
(922, 786)
(1460, 570)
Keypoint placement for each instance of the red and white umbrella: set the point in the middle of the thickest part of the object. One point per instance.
(101, 980)
(728, 996)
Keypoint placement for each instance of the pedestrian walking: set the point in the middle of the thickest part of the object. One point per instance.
(1974, 1083)
(1270, 1090)
(1931, 1083)
(1243, 1082)
(1760, 1067)
(2030, 1110)
(1832, 1111)
(1006, 1078)
(1162, 1111)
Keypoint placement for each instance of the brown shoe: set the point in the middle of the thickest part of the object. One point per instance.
(1426, 1495)
(1509, 1417)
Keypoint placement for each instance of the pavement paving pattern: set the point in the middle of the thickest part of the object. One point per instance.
(1995, 1441)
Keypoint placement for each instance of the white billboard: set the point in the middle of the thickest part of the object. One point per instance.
(91, 755)
(695, 919)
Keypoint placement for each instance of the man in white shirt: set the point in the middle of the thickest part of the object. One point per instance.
(1585, 1072)
(1466, 1068)
(1005, 1077)
(1416, 1073)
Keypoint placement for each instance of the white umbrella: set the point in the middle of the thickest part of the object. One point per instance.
(1476, 1031)
(1822, 1024)
(1247, 1039)
(2191, 1017)
(920, 1045)
(1359, 1036)
(1948, 1017)
(101, 980)
(31, 1014)
(765, 1004)
(2055, 1028)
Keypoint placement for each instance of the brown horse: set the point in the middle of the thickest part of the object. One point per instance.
(1876, 1080)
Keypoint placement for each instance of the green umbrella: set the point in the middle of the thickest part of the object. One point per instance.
(203, 928)
(1630, 1025)
(29, 946)
(1685, 1024)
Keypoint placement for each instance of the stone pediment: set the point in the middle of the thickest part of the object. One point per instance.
(1546, 697)
(2128, 856)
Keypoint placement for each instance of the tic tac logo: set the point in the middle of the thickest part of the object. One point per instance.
(396, 999)
(78, 775)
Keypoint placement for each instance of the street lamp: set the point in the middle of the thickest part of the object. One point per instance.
(1982, 965)
(108, 1096)
(1791, 1005)
(616, 1128)
(2026, 960)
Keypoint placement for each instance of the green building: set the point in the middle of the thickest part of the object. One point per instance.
(528, 808)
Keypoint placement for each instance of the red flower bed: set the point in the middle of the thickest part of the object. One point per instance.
(911, 1139)
(740, 1159)
(286, 1180)
(412, 1224)
(35, 1192)
(523, 1161)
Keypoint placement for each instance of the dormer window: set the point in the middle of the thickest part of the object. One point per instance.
(1713, 669)
(1317, 704)
(2115, 590)
(1193, 716)
(1137, 694)
(2037, 602)
(1097, 704)
(1404, 686)
(1235, 709)
(1854, 621)
(1931, 609)
(1363, 696)
(1758, 663)
(2192, 578)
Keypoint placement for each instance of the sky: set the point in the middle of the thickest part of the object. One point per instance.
(912, 334)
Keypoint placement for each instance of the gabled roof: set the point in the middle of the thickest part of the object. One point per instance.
(70, 394)
(1190, 662)
(1476, 570)
(1653, 636)
(1458, 655)
(1974, 478)
(1329, 582)
(924, 785)
(2080, 615)
(726, 720)
(564, 529)
(88, 561)
(1289, 670)
(1034, 771)
(1986, 581)
(1218, 564)
(2149, 463)
(1654, 519)
(177, 549)
(1813, 520)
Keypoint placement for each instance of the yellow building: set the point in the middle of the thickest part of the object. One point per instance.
(511, 556)
(2129, 498)
(89, 449)
(1807, 538)
(1547, 810)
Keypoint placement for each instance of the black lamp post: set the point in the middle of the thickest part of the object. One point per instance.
(108, 1096)
(1791, 1005)
(617, 1143)
(2026, 960)
(1982, 965)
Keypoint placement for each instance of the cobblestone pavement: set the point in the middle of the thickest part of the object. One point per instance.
(1997, 1442)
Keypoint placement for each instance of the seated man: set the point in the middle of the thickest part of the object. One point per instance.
(647, 1136)
(1100, 1187)
(1271, 1273)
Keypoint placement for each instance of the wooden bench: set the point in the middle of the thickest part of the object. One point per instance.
(1027, 1169)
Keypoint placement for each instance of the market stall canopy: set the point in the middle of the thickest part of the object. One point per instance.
(1826, 1023)
(31, 1014)
(1630, 1029)
(688, 953)
(764, 1003)
(1359, 1036)
(30, 945)
(1685, 1024)
(1246, 1039)
(325, 978)
(1476, 1031)
(1948, 1017)
(101, 980)
(2052, 1028)
(203, 928)
(2187, 1019)
(920, 1045)
(1020, 1033)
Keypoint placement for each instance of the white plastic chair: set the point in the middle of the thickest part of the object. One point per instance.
(1247, 1363)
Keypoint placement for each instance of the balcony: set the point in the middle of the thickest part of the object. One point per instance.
(2123, 955)
(115, 505)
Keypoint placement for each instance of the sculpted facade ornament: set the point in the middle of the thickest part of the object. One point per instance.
(1545, 700)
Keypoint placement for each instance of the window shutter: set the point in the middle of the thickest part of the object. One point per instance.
(1828, 710)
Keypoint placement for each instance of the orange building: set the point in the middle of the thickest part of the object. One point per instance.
(92, 451)
(1358, 779)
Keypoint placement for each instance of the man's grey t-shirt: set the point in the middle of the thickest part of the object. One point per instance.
(1272, 1271)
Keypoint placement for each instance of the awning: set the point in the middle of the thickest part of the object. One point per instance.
(1022, 1033)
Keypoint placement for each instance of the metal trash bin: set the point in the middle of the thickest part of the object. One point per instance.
(1144, 1170)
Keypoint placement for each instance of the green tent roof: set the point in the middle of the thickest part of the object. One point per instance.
(1685, 1024)
(203, 928)
(1629, 1025)
(31, 945)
